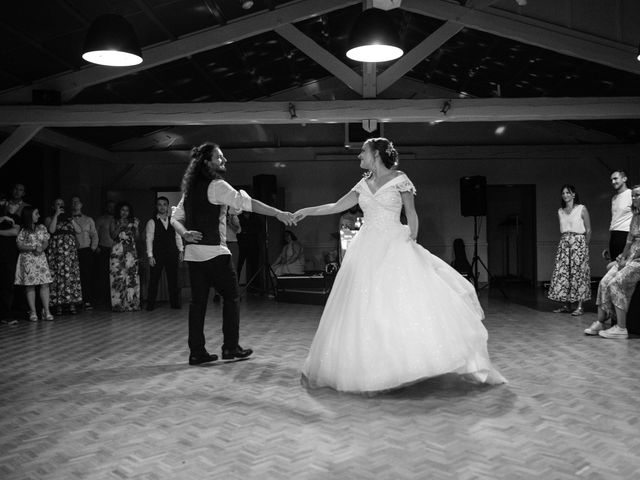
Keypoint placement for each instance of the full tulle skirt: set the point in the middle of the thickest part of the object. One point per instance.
(396, 315)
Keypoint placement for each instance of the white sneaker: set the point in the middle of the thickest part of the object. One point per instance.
(595, 327)
(614, 332)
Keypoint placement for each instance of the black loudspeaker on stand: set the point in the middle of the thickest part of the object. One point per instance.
(265, 189)
(473, 203)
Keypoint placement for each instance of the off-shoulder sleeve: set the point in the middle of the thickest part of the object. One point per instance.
(358, 187)
(405, 185)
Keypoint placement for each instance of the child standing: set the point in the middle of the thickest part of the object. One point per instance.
(32, 269)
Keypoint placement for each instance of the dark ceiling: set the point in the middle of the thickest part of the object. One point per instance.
(44, 37)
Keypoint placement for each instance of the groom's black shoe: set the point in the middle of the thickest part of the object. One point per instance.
(202, 358)
(238, 352)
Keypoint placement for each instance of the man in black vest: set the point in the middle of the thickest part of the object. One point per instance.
(200, 219)
(164, 251)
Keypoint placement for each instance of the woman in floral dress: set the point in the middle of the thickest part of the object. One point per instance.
(32, 269)
(123, 265)
(62, 256)
(571, 277)
(617, 286)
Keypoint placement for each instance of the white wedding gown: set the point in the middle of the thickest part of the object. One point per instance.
(396, 313)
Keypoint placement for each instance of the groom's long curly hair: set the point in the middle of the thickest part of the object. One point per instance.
(197, 168)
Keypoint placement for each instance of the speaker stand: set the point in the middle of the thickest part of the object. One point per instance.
(477, 260)
(270, 278)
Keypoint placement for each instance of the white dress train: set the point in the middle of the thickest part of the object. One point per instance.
(396, 313)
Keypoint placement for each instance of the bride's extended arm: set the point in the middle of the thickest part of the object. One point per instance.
(410, 212)
(345, 203)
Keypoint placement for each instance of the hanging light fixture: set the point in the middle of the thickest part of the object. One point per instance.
(111, 41)
(374, 38)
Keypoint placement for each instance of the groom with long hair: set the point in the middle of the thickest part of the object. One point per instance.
(200, 219)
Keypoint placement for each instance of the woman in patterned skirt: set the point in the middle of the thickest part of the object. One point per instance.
(617, 286)
(571, 278)
(123, 266)
(62, 256)
(32, 269)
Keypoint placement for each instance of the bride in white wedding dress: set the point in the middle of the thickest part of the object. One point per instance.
(396, 313)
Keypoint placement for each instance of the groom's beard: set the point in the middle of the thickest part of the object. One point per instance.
(213, 173)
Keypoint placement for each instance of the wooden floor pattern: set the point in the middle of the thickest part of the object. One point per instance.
(110, 396)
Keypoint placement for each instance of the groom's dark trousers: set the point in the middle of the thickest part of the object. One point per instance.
(220, 274)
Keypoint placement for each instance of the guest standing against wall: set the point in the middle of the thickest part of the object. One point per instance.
(571, 278)
(620, 214)
(164, 250)
(16, 202)
(103, 253)
(248, 247)
(87, 243)
(62, 257)
(123, 266)
(32, 269)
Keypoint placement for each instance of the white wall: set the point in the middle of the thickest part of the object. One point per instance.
(310, 182)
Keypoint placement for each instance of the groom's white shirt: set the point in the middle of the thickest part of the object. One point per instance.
(221, 193)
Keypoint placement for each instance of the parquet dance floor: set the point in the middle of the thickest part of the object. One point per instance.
(110, 396)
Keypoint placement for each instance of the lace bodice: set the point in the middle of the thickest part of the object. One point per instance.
(382, 208)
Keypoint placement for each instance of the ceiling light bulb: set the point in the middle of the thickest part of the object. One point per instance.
(374, 38)
(112, 41)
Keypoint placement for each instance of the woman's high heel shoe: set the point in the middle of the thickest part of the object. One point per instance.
(33, 317)
(47, 316)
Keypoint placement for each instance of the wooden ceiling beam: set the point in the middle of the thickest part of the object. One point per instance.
(18, 139)
(399, 111)
(530, 31)
(407, 153)
(72, 82)
(425, 48)
(321, 56)
(69, 144)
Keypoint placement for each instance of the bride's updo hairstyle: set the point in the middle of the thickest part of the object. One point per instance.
(386, 150)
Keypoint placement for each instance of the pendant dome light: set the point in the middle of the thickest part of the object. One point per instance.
(111, 41)
(374, 38)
